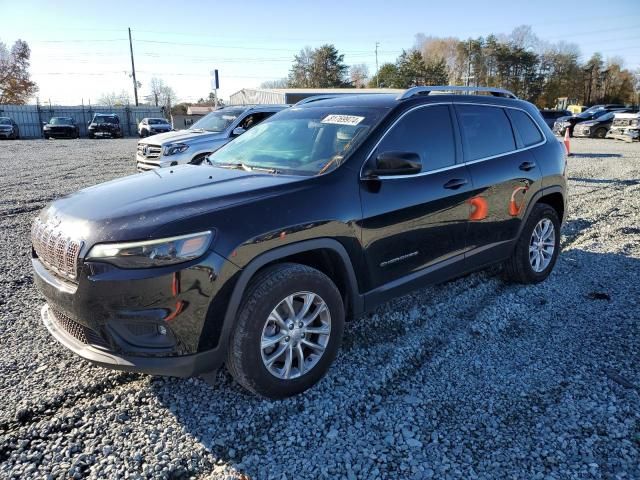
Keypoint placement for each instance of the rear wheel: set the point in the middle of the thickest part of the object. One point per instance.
(600, 133)
(537, 248)
(288, 331)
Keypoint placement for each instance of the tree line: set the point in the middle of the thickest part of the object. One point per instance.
(535, 70)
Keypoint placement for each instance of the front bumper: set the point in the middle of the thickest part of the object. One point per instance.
(164, 321)
(626, 134)
(143, 163)
(181, 366)
(6, 133)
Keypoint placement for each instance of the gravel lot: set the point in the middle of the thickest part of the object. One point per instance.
(471, 379)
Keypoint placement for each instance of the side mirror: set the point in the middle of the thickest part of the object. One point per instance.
(395, 163)
(237, 131)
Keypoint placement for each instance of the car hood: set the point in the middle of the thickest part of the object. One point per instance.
(133, 207)
(627, 115)
(564, 119)
(590, 123)
(182, 136)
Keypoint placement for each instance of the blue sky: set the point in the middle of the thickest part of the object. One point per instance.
(80, 49)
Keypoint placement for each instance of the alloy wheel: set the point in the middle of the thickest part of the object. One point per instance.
(542, 245)
(295, 335)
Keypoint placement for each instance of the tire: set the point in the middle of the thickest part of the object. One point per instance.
(247, 361)
(519, 267)
(46, 137)
(600, 133)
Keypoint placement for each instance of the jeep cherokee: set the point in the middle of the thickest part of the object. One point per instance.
(318, 214)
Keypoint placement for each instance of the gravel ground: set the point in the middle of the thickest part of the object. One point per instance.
(470, 379)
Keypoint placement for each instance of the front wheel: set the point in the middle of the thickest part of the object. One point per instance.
(537, 248)
(288, 331)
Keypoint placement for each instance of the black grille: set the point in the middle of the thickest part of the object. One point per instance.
(84, 334)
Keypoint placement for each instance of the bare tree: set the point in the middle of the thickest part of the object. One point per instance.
(161, 94)
(279, 83)
(359, 74)
(114, 99)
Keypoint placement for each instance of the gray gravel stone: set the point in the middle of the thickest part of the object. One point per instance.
(471, 379)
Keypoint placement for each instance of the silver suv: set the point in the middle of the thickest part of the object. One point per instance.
(204, 137)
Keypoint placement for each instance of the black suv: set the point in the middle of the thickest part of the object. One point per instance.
(318, 214)
(105, 125)
(61, 127)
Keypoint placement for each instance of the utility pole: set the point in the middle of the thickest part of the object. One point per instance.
(377, 71)
(133, 70)
(469, 65)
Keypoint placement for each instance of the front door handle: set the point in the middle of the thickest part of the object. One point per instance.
(455, 183)
(526, 166)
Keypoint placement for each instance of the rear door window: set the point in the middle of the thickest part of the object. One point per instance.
(524, 125)
(427, 131)
(486, 131)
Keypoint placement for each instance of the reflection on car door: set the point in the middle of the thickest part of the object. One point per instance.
(414, 225)
(504, 172)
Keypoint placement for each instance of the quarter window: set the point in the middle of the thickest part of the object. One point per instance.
(486, 131)
(529, 133)
(427, 131)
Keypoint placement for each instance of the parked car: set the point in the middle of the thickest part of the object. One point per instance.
(625, 126)
(152, 126)
(550, 116)
(202, 138)
(9, 128)
(605, 106)
(105, 125)
(61, 127)
(562, 123)
(318, 214)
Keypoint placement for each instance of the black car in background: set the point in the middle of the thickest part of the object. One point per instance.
(105, 125)
(564, 123)
(598, 127)
(61, 127)
(550, 116)
(9, 128)
(317, 214)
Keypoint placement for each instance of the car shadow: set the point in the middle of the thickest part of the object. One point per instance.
(254, 436)
(625, 183)
(596, 155)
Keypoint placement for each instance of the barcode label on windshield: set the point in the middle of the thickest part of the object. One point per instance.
(342, 119)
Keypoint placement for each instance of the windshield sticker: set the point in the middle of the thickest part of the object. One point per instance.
(342, 119)
(228, 117)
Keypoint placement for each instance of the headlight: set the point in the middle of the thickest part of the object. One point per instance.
(634, 123)
(152, 253)
(175, 148)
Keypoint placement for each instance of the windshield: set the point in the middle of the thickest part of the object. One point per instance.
(219, 120)
(592, 114)
(105, 120)
(157, 121)
(5, 121)
(60, 121)
(305, 141)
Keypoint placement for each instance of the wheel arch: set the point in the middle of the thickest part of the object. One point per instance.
(324, 254)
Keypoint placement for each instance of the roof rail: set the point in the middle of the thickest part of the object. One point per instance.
(314, 98)
(496, 92)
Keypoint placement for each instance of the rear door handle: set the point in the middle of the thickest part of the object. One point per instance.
(455, 183)
(526, 166)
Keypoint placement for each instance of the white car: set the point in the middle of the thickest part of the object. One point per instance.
(201, 139)
(152, 126)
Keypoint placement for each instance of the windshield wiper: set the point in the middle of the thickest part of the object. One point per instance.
(246, 168)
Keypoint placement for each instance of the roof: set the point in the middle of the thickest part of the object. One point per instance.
(324, 91)
(390, 101)
(199, 110)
